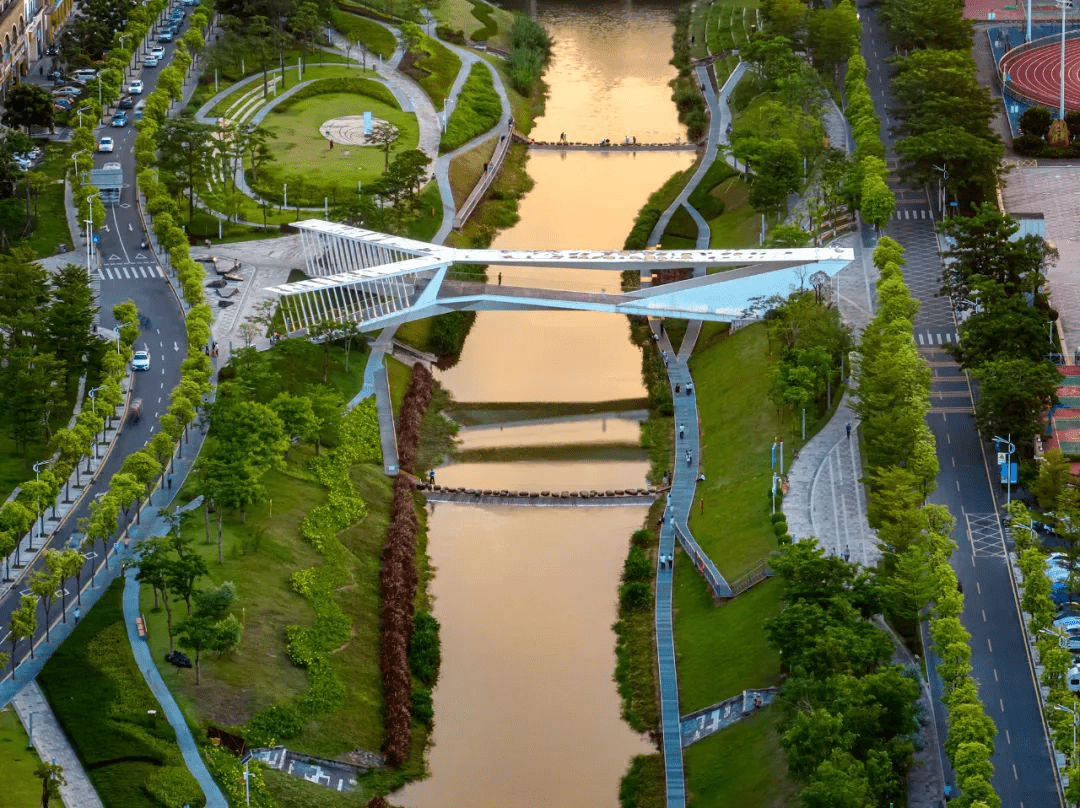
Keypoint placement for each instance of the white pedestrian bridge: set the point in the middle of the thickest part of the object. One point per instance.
(376, 280)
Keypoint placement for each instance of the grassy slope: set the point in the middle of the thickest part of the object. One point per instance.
(102, 702)
(21, 788)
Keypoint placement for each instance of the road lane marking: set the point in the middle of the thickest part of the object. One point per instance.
(954, 461)
(1008, 738)
(957, 485)
(1001, 704)
(996, 675)
(984, 615)
(1015, 775)
(948, 438)
(990, 645)
(978, 587)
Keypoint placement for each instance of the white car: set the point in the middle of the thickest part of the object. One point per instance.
(136, 87)
(158, 52)
(150, 61)
(105, 144)
(141, 361)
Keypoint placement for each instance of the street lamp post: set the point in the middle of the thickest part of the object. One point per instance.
(75, 156)
(90, 231)
(1008, 464)
(1064, 5)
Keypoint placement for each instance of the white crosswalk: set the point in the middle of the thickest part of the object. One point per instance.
(130, 272)
(908, 214)
(936, 337)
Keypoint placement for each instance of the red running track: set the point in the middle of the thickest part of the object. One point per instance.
(1037, 74)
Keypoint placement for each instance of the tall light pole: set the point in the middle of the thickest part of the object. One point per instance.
(75, 156)
(93, 394)
(90, 230)
(1064, 5)
(1008, 465)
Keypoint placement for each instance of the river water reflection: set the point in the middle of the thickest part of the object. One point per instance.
(526, 712)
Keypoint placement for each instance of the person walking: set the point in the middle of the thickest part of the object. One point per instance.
(682, 431)
(78, 614)
(849, 430)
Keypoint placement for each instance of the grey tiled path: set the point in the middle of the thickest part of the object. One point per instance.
(826, 499)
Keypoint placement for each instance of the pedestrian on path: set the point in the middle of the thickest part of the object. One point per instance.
(500, 279)
(849, 430)
(331, 144)
(682, 431)
(78, 614)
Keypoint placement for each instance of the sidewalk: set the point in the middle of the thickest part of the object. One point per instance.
(825, 497)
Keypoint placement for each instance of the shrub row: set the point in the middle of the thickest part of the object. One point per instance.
(310, 646)
(1039, 610)
(398, 580)
(477, 110)
(901, 458)
(413, 406)
(340, 84)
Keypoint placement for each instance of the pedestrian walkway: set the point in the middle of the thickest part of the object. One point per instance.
(826, 500)
(53, 746)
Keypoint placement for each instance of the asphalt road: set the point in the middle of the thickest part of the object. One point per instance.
(1023, 771)
(127, 272)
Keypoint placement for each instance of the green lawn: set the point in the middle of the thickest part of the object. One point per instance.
(21, 788)
(376, 38)
(730, 24)
(259, 558)
(436, 70)
(477, 111)
(743, 765)
(721, 650)
(738, 424)
(104, 706)
(306, 162)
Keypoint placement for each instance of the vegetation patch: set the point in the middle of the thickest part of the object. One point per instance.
(477, 110)
(363, 31)
(107, 711)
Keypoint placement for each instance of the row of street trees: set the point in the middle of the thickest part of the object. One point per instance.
(914, 576)
(944, 112)
(47, 341)
(1006, 342)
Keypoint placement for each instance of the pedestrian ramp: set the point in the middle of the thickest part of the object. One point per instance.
(703, 723)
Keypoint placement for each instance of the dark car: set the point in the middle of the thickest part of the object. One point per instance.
(120, 119)
(127, 102)
(55, 74)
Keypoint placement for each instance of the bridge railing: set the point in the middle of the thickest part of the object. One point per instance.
(481, 187)
(720, 588)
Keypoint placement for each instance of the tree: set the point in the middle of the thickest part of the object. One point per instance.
(23, 625)
(186, 147)
(44, 583)
(1013, 396)
(384, 135)
(52, 777)
(929, 24)
(15, 520)
(1036, 121)
(878, 202)
(778, 174)
(305, 24)
(196, 633)
(153, 570)
(27, 105)
(986, 248)
(71, 564)
(833, 35)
